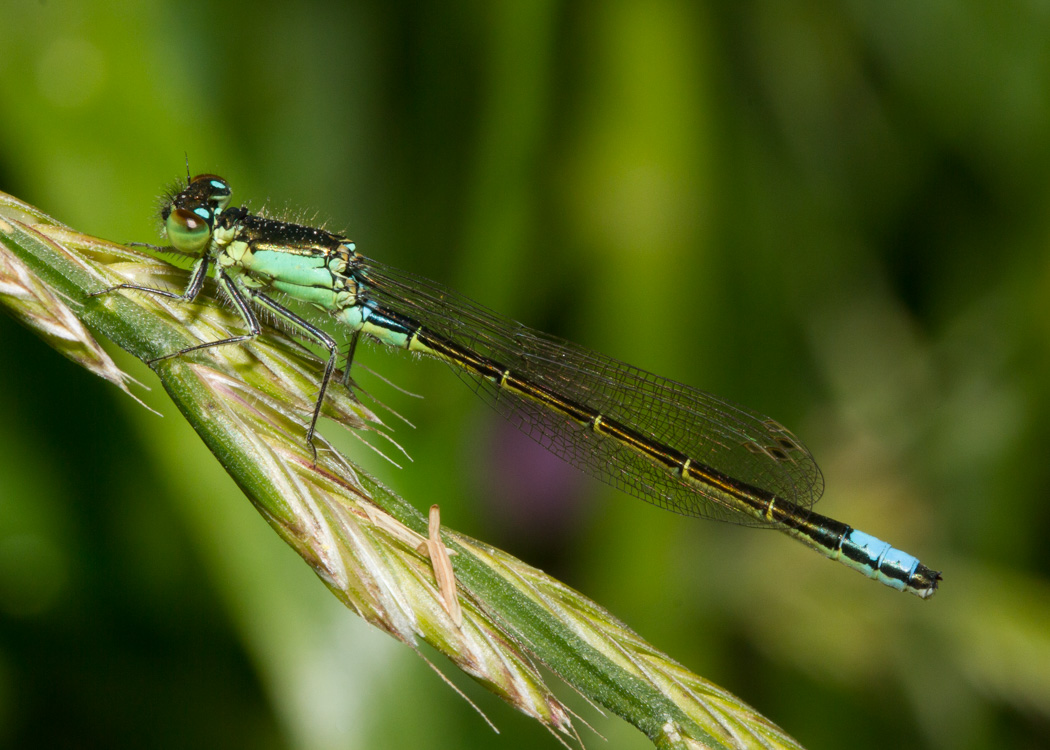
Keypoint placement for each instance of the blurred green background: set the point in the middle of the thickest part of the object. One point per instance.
(834, 213)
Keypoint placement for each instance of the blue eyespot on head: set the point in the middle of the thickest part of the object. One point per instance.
(215, 188)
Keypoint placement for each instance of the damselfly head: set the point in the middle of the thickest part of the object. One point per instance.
(189, 215)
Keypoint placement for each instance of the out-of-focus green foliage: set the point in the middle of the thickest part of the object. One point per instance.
(833, 213)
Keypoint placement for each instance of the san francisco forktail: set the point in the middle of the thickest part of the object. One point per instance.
(671, 445)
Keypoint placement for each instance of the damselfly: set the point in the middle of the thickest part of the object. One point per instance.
(666, 443)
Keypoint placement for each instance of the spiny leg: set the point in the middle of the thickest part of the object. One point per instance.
(229, 286)
(236, 296)
(197, 276)
(199, 273)
(312, 331)
(350, 357)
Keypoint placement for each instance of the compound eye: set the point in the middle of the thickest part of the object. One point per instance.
(188, 231)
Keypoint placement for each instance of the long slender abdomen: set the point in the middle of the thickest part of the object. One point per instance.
(833, 539)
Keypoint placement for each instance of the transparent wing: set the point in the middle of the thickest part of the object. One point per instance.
(735, 441)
